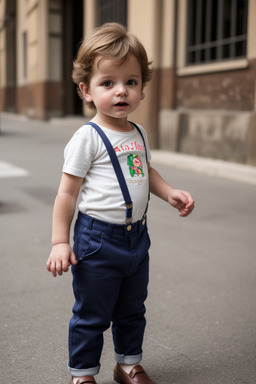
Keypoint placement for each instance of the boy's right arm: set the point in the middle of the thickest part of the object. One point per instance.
(62, 255)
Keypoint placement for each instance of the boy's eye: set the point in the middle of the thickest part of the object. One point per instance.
(131, 82)
(107, 83)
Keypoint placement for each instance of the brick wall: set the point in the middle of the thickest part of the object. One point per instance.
(229, 90)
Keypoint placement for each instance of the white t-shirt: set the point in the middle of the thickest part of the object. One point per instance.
(101, 197)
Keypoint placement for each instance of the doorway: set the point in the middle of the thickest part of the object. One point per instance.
(73, 12)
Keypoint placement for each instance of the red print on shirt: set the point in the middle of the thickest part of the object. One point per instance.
(133, 146)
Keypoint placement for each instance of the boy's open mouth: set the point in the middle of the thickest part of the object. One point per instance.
(121, 104)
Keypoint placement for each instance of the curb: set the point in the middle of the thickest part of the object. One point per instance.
(220, 168)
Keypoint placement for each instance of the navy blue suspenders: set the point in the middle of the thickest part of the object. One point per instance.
(119, 172)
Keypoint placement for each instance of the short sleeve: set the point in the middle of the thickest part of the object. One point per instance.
(78, 153)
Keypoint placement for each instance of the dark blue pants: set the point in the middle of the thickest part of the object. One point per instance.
(110, 285)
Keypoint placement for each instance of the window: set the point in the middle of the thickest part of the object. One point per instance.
(113, 10)
(217, 30)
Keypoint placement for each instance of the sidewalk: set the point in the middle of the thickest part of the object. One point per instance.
(228, 170)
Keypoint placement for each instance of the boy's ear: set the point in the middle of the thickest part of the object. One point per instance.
(86, 92)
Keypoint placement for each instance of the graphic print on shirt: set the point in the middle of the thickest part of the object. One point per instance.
(135, 165)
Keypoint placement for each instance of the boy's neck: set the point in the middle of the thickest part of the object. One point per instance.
(120, 125)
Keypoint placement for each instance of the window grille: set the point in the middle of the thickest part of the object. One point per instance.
(113, 10)
(217, 30)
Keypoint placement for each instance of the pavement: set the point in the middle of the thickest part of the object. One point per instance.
(201, 309)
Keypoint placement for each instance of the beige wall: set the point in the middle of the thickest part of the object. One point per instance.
(44, 45)
(55, 42)
(144, 20)
(167, 38)
(252, 30)
(27, 42)
(39, 57)
(90, 16)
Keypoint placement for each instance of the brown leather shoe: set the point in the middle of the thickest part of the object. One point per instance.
(137, 375)
(84, 380)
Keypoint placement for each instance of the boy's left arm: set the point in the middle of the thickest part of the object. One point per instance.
(179, 199)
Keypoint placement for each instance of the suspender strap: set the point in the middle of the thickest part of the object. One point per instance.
(143, 139)
(118, 171)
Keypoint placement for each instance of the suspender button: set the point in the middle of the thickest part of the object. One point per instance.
(143, 222)
(129, 227)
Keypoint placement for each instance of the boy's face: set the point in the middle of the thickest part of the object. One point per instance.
(115, 87)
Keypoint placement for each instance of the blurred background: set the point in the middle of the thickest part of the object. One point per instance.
(201, 100)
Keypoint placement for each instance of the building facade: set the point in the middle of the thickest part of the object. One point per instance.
(202, 98)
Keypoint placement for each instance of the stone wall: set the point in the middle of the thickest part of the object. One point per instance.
(224, 135)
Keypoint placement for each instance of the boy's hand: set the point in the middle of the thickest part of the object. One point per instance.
(181, 200)
(61, 257)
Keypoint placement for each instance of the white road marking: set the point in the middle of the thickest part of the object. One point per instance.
(10, 170)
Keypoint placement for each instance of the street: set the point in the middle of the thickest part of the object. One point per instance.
(201, 308)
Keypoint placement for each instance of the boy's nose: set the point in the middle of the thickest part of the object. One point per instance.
(121, 91)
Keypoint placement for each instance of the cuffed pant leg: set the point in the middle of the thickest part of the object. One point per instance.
(92, 314)
(83, 372)
(129, 316)
(130, 360)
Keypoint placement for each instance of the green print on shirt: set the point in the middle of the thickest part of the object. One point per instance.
(135, 165)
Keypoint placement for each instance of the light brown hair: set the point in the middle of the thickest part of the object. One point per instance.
(111, 41)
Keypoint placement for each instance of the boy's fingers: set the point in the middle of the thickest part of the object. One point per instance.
(65, 268)
(73, 259)
(191, 203)
(65, 265)
(48, 265)
(59, 267)
(189, 199)
(53, 269)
